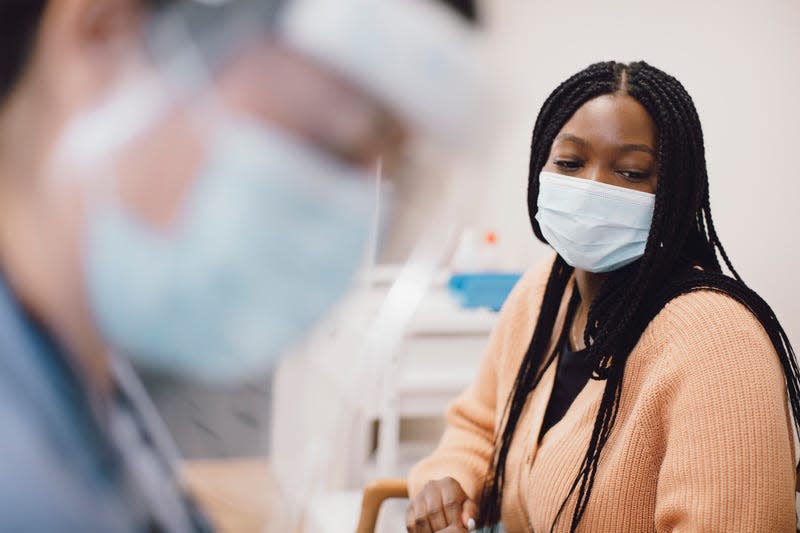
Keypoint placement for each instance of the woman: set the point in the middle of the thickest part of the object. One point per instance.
(629, 384)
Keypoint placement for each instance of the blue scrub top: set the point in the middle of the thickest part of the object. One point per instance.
(73, 463)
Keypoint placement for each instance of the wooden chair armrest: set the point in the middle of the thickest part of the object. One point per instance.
(374, 495)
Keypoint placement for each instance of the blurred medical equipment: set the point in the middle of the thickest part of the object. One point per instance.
(349, 382)
(476, 280)
(338, 425)
(340, 404)
(489, 289)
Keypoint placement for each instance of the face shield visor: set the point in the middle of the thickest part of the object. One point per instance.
(218, 226)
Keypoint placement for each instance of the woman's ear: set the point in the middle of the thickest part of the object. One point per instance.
(97, 27)
(83, 45)
(100, 22)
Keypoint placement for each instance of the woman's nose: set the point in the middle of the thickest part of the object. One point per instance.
(598, 174)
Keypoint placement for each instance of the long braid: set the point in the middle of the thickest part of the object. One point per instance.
(528, 377)
(609, 325)
(714, 238)
(592, 82)
(682, 236)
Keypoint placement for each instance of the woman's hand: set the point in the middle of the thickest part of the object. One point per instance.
(441, 507)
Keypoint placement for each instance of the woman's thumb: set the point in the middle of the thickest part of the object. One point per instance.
(469, 515)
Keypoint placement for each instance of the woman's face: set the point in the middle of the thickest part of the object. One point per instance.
(611, 139)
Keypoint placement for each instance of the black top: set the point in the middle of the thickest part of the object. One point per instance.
(572, 375)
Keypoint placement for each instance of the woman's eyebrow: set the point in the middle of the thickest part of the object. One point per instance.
(573, 138)
(624, 148)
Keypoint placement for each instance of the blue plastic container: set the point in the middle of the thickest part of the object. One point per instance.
(485, 289)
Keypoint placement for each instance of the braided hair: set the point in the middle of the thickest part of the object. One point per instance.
(682, 238)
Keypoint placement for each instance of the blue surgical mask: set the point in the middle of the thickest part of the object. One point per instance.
(266, 241)
(593, 226)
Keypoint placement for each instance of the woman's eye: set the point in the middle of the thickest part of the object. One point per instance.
(634, 175)
(568, 164)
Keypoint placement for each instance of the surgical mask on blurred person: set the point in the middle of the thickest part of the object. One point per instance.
(593, 226)
(267, 240)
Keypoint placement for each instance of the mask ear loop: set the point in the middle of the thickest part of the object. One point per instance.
(377, 219)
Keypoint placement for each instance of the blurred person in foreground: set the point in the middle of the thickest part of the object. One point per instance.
(194, 224)
(212, 421)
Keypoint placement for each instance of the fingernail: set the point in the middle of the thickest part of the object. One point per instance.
(471, 524)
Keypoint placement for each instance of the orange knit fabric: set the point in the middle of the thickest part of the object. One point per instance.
(702, 441)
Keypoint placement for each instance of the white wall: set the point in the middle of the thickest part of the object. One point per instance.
(740, 61)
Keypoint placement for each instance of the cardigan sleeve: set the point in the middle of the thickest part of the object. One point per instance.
(465, 449)
(728, 453)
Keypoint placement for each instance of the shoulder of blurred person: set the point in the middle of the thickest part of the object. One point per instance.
(51, 479)
(70, 463)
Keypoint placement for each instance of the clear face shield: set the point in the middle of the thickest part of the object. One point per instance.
(223, 219)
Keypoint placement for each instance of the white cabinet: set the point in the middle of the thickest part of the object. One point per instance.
(337, 419)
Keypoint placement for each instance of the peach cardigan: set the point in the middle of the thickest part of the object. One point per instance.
(702, 442)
